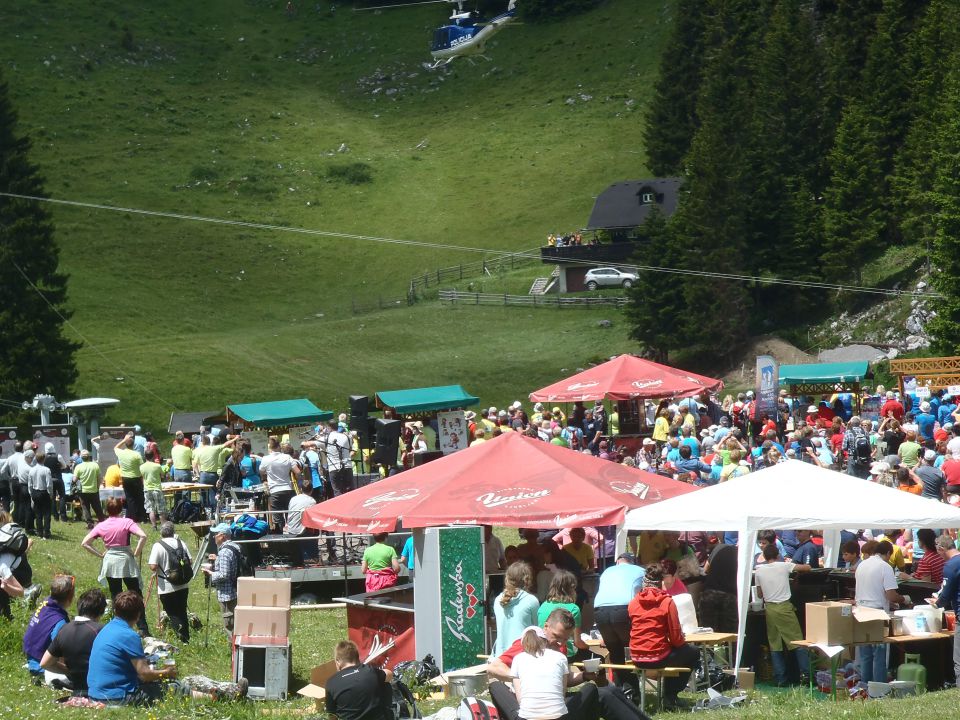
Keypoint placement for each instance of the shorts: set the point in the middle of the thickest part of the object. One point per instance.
(154, 501)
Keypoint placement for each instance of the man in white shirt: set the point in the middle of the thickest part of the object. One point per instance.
(773, 580)
(336, 448)
(276, 470)
(302, 549)
(876, 588)
(494, 559)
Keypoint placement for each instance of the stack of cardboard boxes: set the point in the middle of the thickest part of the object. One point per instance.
(261, 629)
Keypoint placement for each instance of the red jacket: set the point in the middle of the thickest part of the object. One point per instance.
(654, 625)
(892, 406)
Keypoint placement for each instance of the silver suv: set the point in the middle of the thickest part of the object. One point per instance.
(608, 277)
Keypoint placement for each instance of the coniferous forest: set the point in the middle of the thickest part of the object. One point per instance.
(813, 136)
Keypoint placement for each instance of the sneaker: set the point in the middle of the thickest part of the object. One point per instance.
(31, 595)
(238, 691)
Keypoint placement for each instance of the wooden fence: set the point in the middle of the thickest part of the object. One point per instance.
(502, 263)
(546, 301)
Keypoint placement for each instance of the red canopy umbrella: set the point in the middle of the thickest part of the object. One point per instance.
(624, 378)
(511, 480)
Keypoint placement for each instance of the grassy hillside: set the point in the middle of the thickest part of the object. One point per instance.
(233, 110)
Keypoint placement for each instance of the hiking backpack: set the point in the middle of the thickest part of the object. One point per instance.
(180, 571)
(403, 704)
(474, 708)
(861, 448)
(186, 511)
(13, 539)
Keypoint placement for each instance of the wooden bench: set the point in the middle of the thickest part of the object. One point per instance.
(646, 674)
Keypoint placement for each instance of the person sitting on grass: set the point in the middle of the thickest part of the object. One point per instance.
(357, 691)
(45, 623)
(121, 674)
(69, 653)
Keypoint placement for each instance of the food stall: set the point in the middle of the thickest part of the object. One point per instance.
(440, 407)
(629, 381)
(510, 481)
(828, 500)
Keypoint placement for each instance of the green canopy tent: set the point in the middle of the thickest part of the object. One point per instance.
(277, 414)
(421, 400)
(825, 378)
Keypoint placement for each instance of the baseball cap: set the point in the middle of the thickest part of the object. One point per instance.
(930, 456)
(220, 528)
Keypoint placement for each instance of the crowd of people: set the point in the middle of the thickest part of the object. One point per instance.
(572, 239)
(913, 445)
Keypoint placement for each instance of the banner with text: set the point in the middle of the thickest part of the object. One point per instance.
(59, 435)
(767, 385)
(461, 594)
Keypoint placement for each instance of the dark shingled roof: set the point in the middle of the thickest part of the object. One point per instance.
(620, 206)
(190, 422)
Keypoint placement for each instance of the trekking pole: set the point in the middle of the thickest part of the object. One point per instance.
(206, 631)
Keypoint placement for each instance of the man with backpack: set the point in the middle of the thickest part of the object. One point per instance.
(226, 569)
(856, 446)
(15, 572)
(171, 562)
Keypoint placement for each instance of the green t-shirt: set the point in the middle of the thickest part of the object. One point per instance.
(207, 458)
(548, 607)
(225, 452)
(129, 462)
(152, 475)
(379, 556)
(87, 476)
(182, 457)
(910, 453)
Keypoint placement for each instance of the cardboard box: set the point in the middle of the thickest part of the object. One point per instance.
(269, 621)
(263, 592)
(870, 625)
(745, 679)
(318, 682)
(830, 623)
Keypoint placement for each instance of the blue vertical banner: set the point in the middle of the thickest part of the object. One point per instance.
(768, 380)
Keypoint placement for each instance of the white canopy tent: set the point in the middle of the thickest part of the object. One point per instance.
(790, 496)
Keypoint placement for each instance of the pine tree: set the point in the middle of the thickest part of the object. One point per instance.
(848, 26)
(35, 356)
(713, 223)
(945, 327)
(787, 157)
(671, 119)
(860, 222)
(656, 301)
(928, 52)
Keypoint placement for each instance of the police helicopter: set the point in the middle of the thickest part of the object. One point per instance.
(465, 34)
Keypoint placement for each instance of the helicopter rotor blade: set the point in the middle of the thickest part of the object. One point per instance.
(399, 5)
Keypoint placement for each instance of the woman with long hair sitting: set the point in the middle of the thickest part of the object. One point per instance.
(516, 607)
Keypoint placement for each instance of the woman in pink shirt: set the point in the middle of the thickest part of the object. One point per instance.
(120, 564)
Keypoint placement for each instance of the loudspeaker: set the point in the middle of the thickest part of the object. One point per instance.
(359, 407)
(422, 458)
(388, 441)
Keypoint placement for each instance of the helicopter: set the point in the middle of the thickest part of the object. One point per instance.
(465, 35)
